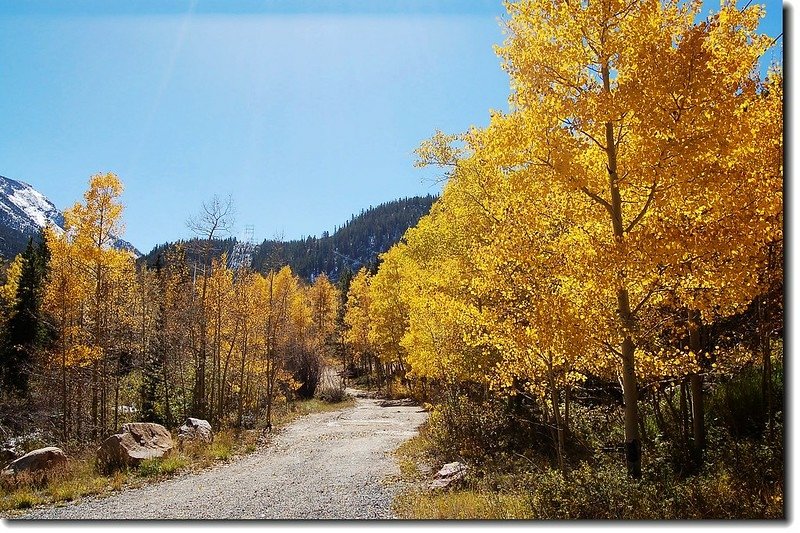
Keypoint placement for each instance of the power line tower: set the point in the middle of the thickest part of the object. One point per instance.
(242, 255)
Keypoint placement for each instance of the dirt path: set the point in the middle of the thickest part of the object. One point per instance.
(328, 465)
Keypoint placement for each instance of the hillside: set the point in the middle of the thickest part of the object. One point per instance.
(355, 244)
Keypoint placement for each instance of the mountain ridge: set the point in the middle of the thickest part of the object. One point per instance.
(24, 211)
(355, 244)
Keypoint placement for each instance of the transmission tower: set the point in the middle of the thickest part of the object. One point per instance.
(242, 255)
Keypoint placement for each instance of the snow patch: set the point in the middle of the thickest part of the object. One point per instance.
(35, 206)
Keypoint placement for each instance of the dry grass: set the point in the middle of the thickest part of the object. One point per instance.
(461, 505)
(414, 458)
(295, 410)
(77, 479)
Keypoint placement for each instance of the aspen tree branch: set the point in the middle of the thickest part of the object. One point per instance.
(586, 133)
(612, 349)
(645, 208)
(598, 199)
(645, 298)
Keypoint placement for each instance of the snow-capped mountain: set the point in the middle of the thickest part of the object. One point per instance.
(24, 211)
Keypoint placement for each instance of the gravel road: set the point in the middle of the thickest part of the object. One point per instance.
(327, 465)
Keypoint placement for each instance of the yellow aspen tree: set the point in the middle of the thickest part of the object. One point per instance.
(148, 323)
(8, 290)
(248, 315)
(626, 111)
(277, 293)
(175, 340)
(92, 228)
(357, 317)
(122, 338)
(215, 218)
(223, 331)
(388, 314)
(500, 241)
(324, 301)
(65, 294)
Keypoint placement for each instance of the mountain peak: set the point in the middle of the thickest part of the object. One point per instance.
(24, 211)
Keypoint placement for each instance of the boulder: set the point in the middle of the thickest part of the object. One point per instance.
(37, 461)
(448, 474)
(134, 443)
(195, 429)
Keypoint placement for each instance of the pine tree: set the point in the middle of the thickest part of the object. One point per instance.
(27, 331)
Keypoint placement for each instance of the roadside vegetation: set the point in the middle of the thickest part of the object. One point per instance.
(80, 478)
(513, 469)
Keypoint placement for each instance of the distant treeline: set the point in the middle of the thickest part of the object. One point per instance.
(354, 245)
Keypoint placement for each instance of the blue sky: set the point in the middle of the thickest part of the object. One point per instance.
(305, 112)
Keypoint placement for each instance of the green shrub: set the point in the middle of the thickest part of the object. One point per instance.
(162, 466)
(22, 499)
(222, 447)
(603, 490)
(150, 467)
(740, 406)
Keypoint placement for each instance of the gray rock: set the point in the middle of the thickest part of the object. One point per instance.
(195, 429)
(449, 473)
(136, 442)
(41, 460)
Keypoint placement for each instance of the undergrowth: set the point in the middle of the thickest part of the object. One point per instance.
(512, 471)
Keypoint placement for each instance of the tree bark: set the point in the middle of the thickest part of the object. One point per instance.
(696, 387)
(766, 364)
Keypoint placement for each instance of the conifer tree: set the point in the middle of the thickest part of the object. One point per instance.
(26, 329)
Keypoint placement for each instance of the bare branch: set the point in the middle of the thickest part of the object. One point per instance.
(216, 217)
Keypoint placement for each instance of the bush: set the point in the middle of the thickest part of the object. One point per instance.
(22, 499)
(475, 429)
(332, 394)
(222, 447)
(740, 406)
(512, 473)
(306, 368)
(602, 490)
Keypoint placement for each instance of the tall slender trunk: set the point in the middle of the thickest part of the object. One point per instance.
(222, 386)
(630, 393)
(95, 402)
(79, 413)
(240, 408)
(633, 446)
(165, 375)
(559, 426)
(567, 423)
(64, 397)
(199, 401)
(684, 406)
(116, 403)
(271, 374)
(696, 387)
(765, 348)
